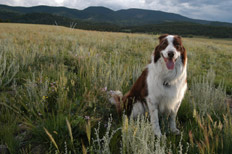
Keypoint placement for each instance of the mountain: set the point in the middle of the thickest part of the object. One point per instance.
(127, 17)
(104, 19)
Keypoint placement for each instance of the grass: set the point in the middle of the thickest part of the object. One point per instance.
(53, 99)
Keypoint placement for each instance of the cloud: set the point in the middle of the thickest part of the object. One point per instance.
(210, 10)
(149, 1)
(199, 9)
(219, 10)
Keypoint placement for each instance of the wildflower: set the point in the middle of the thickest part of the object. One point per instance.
(53, 84)
(45, 97)
(87, 117)
(105, 125)
(104, 89)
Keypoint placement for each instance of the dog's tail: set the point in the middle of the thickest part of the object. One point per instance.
(115, 98)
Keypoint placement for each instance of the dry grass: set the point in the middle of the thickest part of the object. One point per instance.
(54, 79)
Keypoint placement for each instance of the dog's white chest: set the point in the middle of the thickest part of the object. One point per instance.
(165, 95)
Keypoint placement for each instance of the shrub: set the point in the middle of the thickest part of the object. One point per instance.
(136, 137)
(206, 97)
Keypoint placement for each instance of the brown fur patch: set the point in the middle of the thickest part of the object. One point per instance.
(162, 37)
(163, 44)
(138, 92)
(177, 42)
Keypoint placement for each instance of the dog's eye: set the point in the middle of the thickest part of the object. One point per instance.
(177, 45)
(165, 43)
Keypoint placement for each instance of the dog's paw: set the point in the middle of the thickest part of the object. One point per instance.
(158, 133)
(175, 131)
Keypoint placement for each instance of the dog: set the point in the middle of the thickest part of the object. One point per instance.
(160, 88)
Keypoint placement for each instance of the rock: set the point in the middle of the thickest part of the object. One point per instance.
(4, 149)
(38, 149)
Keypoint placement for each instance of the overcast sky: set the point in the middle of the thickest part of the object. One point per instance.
(216, 10)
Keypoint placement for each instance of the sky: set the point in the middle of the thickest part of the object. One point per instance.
(213, 10)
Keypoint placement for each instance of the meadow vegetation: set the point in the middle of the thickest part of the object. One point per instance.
(53, 93)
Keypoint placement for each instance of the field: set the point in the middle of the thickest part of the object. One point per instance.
(53, 93)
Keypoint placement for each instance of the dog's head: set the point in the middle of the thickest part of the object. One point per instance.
(170, 49)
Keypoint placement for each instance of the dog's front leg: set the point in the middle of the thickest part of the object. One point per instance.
(172, 122)
(153, 110)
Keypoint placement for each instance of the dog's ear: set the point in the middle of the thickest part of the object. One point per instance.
(183, 55)
(162, 45)
(162, 37)
(156, 54)
(179, 39)
(182, 50)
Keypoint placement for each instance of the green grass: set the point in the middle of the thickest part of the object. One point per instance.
(53, 99)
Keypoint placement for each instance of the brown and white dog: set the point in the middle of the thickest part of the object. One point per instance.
(161, 86)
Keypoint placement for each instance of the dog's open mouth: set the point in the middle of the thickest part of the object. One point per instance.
(170, 62)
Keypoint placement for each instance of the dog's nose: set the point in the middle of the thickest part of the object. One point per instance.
(170, 54)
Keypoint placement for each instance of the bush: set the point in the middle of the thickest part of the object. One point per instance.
(206, 97)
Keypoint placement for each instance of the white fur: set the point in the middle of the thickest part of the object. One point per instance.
(138, 108)
(162, 99)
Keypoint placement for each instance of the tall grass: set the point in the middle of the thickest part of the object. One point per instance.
(8, 66)
(54, 85)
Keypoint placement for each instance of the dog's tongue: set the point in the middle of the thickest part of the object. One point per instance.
(170, 64)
